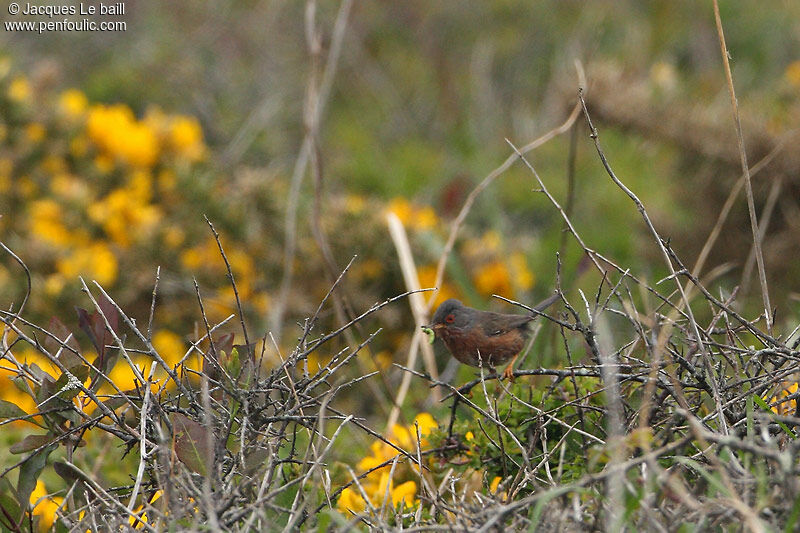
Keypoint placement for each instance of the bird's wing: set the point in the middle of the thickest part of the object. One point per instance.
(499, 324)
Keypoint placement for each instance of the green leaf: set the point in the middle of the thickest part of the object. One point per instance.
(793, 516)
(31, 442)
(711, 477)
(115, 402)
(58, 396)
(9, 507)
(233, 366)
(52, 402)
(536, 512)
(23, 385)
(10, 410)
(68, 473)
(80, 373)
(39, 374)
(323, 521)
(29, 473)
(254, 458)
(761, 403)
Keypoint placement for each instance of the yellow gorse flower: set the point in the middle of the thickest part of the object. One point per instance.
(169, 345)
(69, 187)
(427, 278)
(355, 203)
(46, 223)
(119, 135)
(126, 214)
(493, 278)
(413, 216)
(73, 103)
(35, 132)
(19, 90)
(95, 261)
(44, 506)
(792, 73)
(138, 523)
(54, 164)
(785, 407)
(378, 485)
(490, 243)
(523, 276)
(206, 256)
(186, 137)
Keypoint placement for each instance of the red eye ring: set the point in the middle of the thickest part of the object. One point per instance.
(450, 318)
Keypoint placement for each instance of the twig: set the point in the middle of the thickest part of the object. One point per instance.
(766, 217)
(143, 453)
(751, 207)
(232, 281)
(418, 310)
(21, 263)
(301, 163)
(153, 305)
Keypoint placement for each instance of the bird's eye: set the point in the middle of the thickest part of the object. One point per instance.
(450, 318)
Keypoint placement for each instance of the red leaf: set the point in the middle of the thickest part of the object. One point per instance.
(190, 442)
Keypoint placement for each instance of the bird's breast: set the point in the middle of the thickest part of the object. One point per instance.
(473, 347)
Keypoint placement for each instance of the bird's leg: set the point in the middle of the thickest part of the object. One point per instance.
(508, 373)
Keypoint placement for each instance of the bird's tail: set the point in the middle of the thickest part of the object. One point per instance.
(547, 302)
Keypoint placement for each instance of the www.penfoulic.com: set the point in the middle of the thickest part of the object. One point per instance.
(64, 17)
(44, 26)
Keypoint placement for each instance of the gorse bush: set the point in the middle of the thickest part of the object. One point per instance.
(87, 183)
(94, 190)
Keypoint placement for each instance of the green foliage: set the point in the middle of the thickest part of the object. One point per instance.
(488, 448)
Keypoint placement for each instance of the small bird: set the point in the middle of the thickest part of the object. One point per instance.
(477, 337)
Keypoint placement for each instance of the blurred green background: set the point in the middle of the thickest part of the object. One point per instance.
(424, 96)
